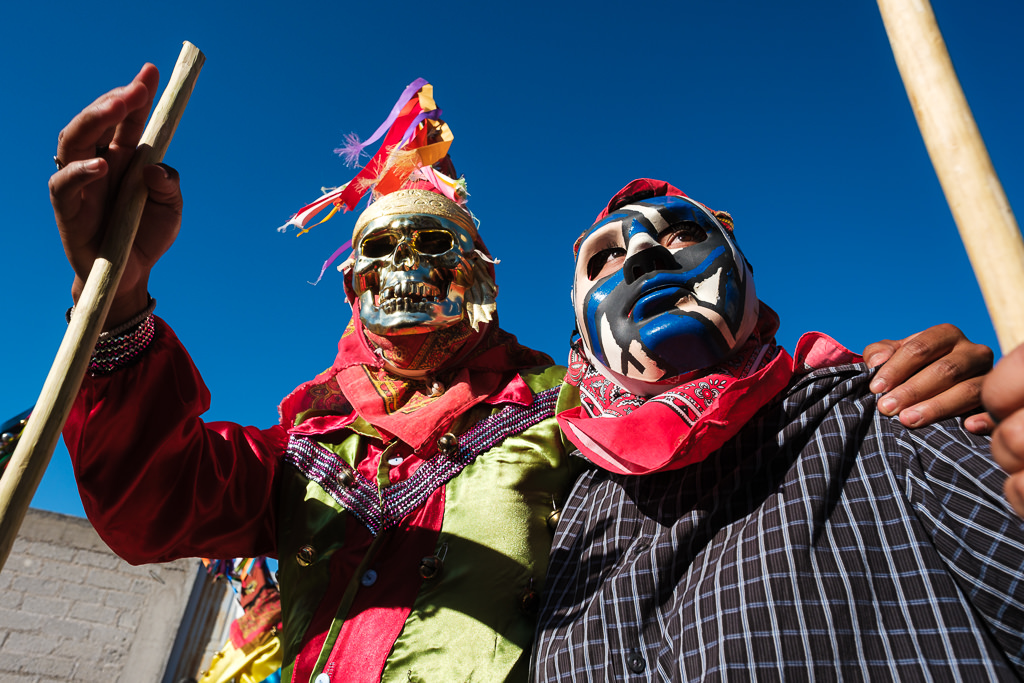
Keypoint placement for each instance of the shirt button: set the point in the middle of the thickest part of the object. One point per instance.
(369, 578)
(306, 555)
(553, 519)
(447, 443)
(347, 478)
(635, 662)
(322, 678)
(431, 566)
(396, 461)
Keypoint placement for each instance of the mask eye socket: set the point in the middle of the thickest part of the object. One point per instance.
(378, 246)
(432, 242)
(605, 262)
(682, 234)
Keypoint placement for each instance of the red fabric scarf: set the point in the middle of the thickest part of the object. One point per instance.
(629, 434)
(358, 385)
(424, 350)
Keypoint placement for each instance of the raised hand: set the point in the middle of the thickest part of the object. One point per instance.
(93, 152)
(930, 376)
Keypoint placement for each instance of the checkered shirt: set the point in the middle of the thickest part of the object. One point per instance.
(824, 542)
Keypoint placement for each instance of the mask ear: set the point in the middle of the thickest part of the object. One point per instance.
(725, 219)
(480, 297)
(350, 292)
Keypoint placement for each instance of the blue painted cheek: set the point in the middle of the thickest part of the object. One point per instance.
(598, 295)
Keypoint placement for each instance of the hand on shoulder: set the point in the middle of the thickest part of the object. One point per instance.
(1003, 395)
(930, 376)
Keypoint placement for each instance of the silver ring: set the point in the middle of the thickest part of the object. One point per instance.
(60, 164)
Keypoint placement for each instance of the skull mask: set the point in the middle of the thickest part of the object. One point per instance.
(411, 272)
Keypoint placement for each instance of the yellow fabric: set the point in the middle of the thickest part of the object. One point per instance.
(251, 665)
(426, 96)
(435, 151)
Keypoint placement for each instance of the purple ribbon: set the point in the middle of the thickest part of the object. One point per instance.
(354, 147)
(420, 118)
(331, 260)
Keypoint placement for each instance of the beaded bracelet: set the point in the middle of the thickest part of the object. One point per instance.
(121, 346)
(118, 351)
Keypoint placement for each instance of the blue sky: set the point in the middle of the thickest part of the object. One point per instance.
(791, 116)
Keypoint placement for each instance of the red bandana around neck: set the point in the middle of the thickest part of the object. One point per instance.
(358, 385)
(629, 434)
(424, 350)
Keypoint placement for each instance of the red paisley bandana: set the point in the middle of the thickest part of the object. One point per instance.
(357, 384)
(424, 350)
(629, 434)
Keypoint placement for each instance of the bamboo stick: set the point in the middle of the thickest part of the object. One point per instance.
(976, 198)
(35, 448)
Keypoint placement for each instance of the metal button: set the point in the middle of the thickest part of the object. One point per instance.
(395, 462)
(347, 478)
(306, 555)
(447, 443)
(368, 578)
(431, 566)
(635, 662)
(553, 519)
(322, 678)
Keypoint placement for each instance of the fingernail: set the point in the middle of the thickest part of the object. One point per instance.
(888, 404)
(911, 417)
(875, 360)
(92, 165)
(878, 385)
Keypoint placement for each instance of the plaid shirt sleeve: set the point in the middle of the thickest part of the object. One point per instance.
(956, 493)
(824, 542)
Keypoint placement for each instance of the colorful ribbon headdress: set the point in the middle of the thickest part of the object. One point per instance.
(415, 140)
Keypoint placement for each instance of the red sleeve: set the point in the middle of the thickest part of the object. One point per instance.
(157, 482)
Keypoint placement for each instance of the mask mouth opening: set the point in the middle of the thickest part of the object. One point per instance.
(408, 296)
(659, 299)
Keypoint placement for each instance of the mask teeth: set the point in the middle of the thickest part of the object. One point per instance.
(407, 296)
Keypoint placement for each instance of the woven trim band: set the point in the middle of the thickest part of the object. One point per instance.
(383, 510)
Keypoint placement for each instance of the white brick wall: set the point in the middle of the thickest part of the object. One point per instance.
(71, 610)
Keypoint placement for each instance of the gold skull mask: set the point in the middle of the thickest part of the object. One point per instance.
(416, 267)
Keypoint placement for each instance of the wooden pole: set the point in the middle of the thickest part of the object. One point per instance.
(975, 196)
(32, 455)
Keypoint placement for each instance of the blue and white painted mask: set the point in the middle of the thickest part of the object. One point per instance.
(661, 290)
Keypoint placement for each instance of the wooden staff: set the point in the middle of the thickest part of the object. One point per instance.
(975, 196)
(32, 455)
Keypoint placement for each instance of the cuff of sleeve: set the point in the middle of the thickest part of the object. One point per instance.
(123, 345)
